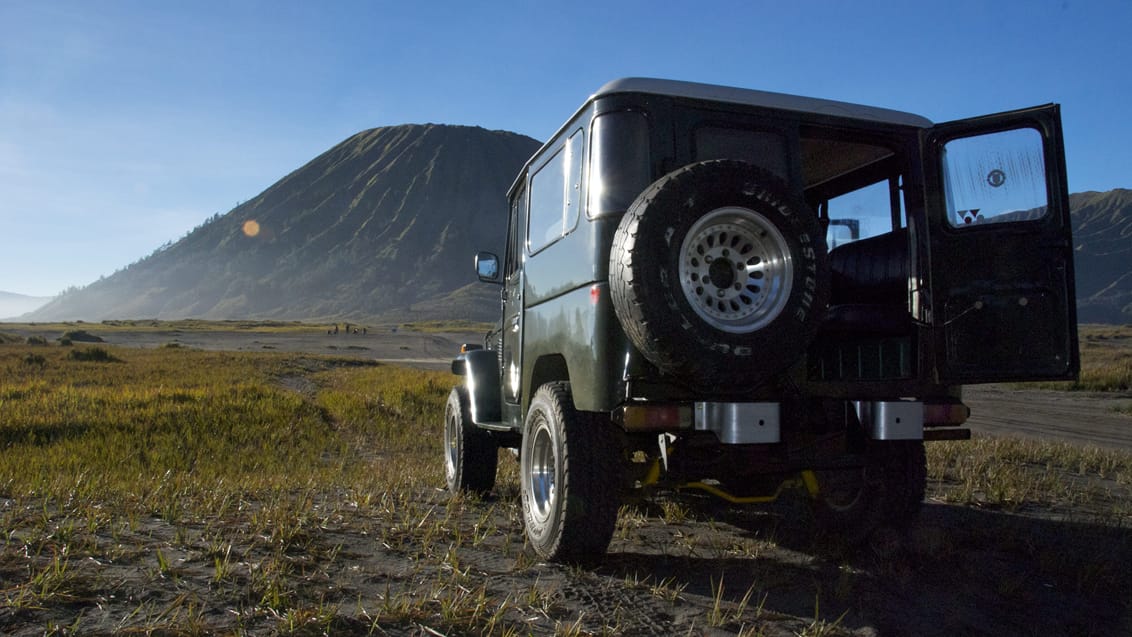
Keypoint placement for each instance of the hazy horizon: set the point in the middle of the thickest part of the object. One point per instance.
(12, 305)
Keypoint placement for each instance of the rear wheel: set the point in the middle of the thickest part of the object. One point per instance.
(888, 490)
(569, 471)
(470, 455)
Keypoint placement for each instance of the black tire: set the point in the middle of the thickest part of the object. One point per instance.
(888, 491)
(470, 455)
(718, 275)
(569, 473)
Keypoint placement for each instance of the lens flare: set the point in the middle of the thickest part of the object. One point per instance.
(251, 227)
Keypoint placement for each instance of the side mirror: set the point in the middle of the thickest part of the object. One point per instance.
(487, 267)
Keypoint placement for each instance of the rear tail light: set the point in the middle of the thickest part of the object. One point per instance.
(651, 417)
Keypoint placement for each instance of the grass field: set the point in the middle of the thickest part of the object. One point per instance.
(97, 447)
(1106, 360)
(190, 492)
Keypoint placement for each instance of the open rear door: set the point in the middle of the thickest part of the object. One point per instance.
(1002, 292)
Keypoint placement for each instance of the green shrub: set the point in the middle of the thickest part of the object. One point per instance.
(93, 355)
(36, 340)
(81, 336)
(35, 359)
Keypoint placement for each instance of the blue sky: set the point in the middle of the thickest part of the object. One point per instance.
(125, 124)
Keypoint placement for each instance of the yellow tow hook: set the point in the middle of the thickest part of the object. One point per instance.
(806, 478)
(811, 482)
(653, 474)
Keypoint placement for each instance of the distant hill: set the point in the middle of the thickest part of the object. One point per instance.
(1102, 234)
(14, 305)
(384, 221)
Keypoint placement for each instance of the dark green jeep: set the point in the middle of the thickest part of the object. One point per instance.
(733, 291)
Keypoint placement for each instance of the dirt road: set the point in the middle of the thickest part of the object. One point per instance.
(1078, 417)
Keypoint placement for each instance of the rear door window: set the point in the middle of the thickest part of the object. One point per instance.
(995, 178)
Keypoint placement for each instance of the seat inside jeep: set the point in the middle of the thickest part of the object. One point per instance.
(867, 334)
(856, 188)
(869, 285)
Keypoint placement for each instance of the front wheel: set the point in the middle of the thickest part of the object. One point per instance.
(569, 471)
(470, 455)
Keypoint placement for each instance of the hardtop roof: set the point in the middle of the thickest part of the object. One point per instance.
(733, 95)
(766, 99)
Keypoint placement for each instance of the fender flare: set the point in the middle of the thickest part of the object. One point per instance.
(480, 369)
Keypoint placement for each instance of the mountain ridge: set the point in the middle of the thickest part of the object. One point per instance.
(1102, 239)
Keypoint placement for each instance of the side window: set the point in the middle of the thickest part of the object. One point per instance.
(548, 196)
(860, 214)
(573, 182)
(515, 239)
(854, 182)
(555, 195)
(764, 149)
(995, 178)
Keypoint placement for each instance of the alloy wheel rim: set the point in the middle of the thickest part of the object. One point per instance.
(452, 444)
(736, 270)
(541, 481)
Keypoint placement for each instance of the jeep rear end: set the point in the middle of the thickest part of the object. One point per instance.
(731, 291)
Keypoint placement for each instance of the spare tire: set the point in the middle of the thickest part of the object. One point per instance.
(718, 275)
